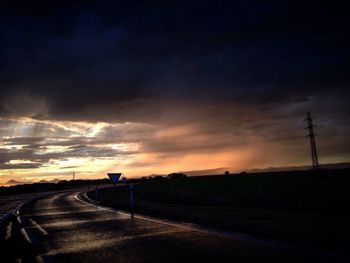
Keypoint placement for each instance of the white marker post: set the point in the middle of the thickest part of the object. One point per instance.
(96, 193)
(131, 188)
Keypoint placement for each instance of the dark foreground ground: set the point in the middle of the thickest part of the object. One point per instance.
(299, 208)
(61, 228)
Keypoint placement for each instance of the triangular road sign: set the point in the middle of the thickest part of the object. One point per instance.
(114, 177)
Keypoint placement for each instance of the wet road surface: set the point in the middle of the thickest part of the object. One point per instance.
(10, 202)
(62, 228)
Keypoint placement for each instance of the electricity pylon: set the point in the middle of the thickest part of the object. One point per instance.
(311, 135)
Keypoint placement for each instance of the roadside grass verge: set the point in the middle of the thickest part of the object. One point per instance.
(303, 210)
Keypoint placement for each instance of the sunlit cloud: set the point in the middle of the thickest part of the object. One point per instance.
(235, 139)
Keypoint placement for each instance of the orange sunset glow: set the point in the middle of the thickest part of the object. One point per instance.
(45, 150)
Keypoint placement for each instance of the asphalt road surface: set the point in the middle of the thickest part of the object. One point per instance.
(63, 228)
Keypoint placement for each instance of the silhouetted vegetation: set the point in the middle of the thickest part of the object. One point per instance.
(41, 187)
(177, 176)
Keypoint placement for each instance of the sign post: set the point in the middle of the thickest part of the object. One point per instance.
(96, 193)
(131, 188)
(114, 177)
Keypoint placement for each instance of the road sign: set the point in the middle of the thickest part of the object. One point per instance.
(114, 177)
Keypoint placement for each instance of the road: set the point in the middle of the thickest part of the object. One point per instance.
(62, 228)
(10, 202)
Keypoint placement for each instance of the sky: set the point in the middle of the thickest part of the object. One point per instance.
(153, 87)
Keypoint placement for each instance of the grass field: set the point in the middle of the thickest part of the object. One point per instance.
(295, 207)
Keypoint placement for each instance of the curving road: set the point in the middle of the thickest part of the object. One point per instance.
(62, 228)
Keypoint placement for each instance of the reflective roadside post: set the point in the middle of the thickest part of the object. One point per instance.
(131, 195)
(131, 188)
(96, 193)
(124, 180)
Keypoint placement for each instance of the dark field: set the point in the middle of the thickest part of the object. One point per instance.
(301, 208)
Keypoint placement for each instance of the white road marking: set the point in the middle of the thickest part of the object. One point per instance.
(8, 231)
(39, 227)
(43, 259)
(28, 235)
(25, 234)
(19, 219)
(39, 259)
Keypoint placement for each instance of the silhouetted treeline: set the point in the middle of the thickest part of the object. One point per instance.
(41, 187)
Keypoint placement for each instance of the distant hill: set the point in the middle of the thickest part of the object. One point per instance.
(13, 182)
(305, 167)
(43, 182)
(53, 181)
(220, 170)
(197, 172)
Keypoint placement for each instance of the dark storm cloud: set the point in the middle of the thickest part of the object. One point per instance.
(113, 60)
(20, 165)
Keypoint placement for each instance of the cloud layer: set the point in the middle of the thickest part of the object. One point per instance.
(163, 83)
